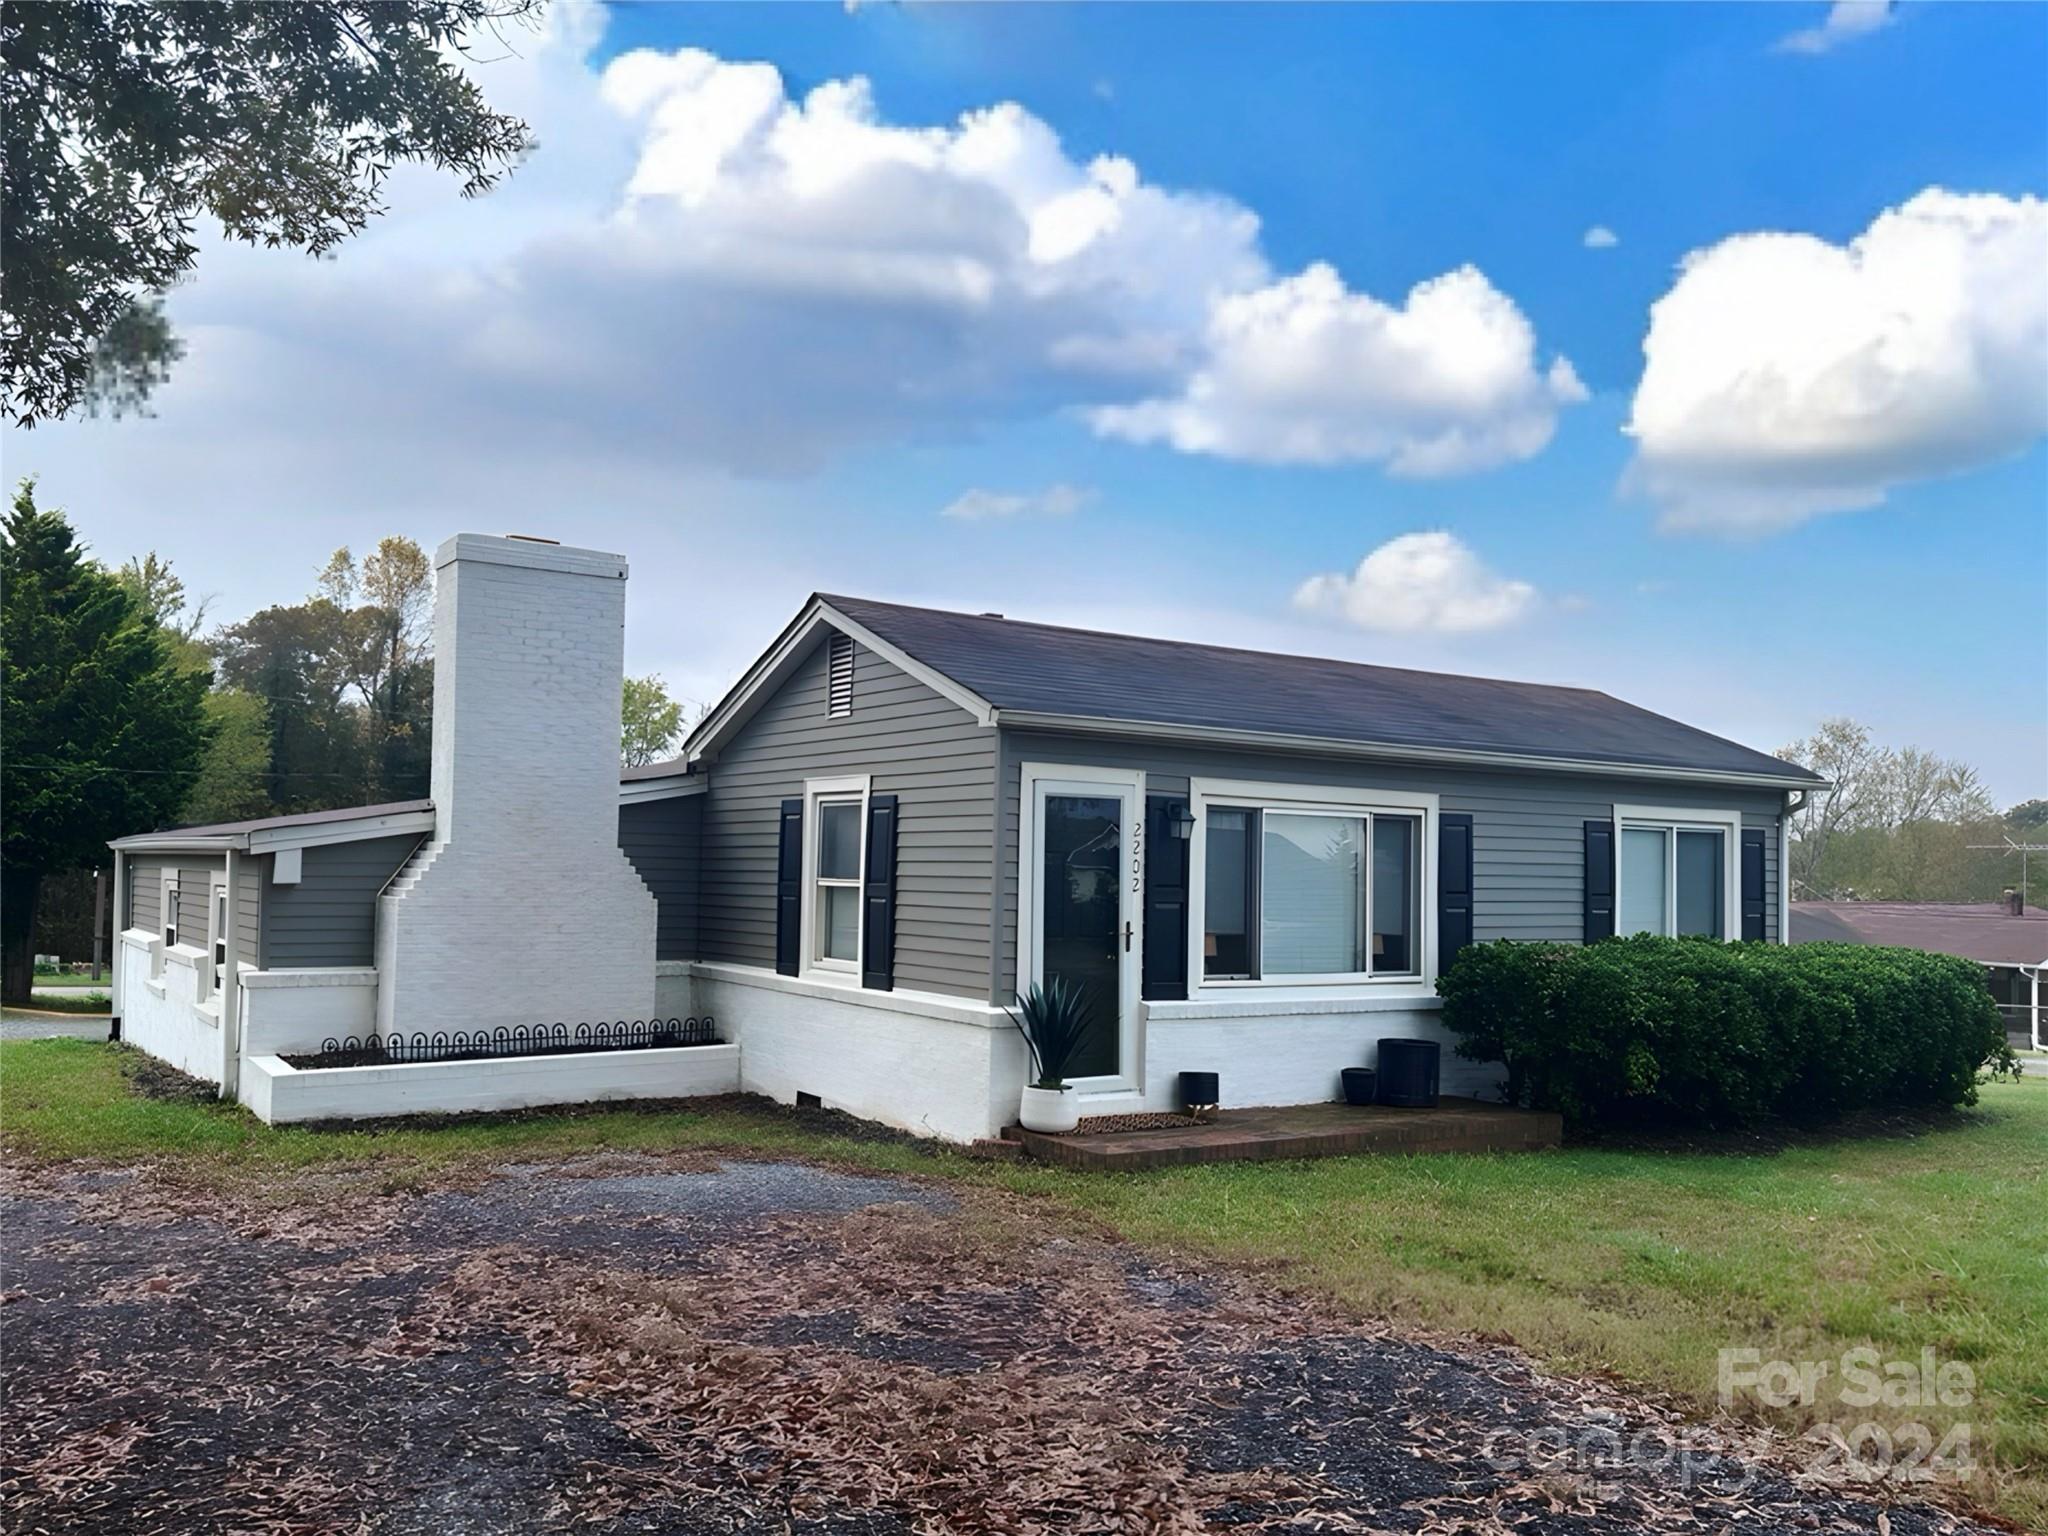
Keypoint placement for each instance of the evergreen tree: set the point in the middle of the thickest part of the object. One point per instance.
(105, 728)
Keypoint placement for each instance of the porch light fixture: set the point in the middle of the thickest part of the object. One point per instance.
(1180, 820)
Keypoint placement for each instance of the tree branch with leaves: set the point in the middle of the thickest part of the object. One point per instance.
(121, 124)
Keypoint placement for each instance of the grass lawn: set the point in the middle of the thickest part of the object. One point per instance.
(1643, 1264)
(71, 978)
(71, 1002)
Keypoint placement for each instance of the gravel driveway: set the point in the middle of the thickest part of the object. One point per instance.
(664, 1345)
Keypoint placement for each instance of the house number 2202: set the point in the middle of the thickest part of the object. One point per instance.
(1137, 858)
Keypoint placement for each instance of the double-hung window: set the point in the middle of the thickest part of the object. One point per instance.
(1299, 891)
(169, 911)
(167, 919)
(217, 937)
(837, 826)
(1672, 872)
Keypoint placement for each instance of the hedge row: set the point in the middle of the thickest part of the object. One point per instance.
(1689, 1032)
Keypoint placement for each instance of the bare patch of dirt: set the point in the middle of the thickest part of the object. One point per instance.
(636, 1346)
(155, 1079)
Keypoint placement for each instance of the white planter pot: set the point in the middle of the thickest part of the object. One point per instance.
(1051, 1110)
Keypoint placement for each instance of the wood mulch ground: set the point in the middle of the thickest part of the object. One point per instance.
(674, 1345)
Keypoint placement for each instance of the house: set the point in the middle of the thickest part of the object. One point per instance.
(897, 820)
(2008, 938)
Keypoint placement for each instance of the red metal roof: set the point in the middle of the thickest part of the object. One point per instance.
(1983, 931)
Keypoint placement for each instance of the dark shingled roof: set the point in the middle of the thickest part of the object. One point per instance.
(1985, 932)
(299, 819)
(1041, 668)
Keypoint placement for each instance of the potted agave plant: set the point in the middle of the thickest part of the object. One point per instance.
(1053, 1018)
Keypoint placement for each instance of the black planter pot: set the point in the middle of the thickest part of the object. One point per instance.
(1358, 1085)
(1408, 1073)
(1199, 1090)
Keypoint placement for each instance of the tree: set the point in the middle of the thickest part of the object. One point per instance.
(162, 594)
(386, 605)
(123, 123)
(105, 728)
(1840, 752)
(292, 658)
(649, 722)
(233, 779)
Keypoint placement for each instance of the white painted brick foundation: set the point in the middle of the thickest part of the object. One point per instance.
(521, 909)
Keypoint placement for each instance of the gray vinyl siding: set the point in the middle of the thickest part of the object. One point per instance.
(664, 840)
(330, 917)
(1528, 830)
(197, 875)
(918, 746)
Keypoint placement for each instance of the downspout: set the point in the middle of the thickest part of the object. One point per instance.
(1795, 802)
(118, 926)
(231, 994)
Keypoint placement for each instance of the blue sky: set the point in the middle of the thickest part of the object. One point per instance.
(547, 362)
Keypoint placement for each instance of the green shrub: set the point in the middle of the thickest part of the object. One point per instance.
(1686, 1032)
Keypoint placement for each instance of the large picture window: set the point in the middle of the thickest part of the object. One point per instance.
(1672, 873)
(1311, 893)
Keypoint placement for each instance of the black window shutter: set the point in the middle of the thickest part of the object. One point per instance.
(1165, 973)
(789, 894)
(1453, 888)
(1599, 880)
(878, 897)
(1753, 882)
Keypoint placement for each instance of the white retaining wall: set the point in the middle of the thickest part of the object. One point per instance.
(280, 1094)
(1292, 1050)
(161, 1014)
(293, 1011)
(939, 1066)
(674, 996)
(522, 909)
(952, 1068)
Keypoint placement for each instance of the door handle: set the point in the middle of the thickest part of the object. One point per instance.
(1127, 937)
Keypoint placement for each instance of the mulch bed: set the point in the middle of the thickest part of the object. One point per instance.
(668, 1345)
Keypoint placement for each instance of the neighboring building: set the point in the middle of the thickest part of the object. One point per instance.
(2008, 938)
(900, 818)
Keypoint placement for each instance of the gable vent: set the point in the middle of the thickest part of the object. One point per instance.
(840, 688)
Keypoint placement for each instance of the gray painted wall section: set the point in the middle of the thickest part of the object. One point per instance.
(918, 746)
(330, 917)
(197, 874)
(1528, 832)
(664, 841)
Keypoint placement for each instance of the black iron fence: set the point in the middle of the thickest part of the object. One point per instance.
(481, 1044)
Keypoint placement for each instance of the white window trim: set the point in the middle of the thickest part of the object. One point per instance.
(1665, 818)
(216, 903)
(168, 919)
(1311, 799)
(852, 787)
(1101, 1094)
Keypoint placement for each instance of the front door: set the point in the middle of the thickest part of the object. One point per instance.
(1080, 889)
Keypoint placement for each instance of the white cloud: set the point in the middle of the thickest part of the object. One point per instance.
(1601, 238)
(979, 505)
(1786, 377)
(1846, 21)
(1420, 582)
(1305, 371)
(697, 273)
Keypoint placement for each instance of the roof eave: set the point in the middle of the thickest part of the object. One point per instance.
(1274, 741)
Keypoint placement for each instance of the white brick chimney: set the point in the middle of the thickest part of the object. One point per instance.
(521, 909)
